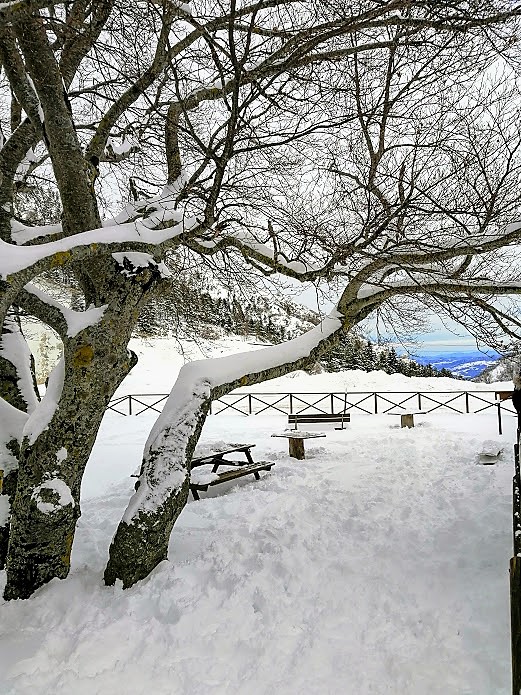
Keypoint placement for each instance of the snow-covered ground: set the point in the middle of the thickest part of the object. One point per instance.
(379, 565)
(160, 361)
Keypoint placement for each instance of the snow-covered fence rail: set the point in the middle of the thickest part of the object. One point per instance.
(362, 402)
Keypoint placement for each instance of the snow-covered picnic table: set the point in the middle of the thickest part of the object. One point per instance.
(203, 479)
(407, 416)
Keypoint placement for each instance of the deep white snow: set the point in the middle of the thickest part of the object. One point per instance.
(379, 565)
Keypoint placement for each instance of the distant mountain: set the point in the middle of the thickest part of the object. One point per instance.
(467, 365)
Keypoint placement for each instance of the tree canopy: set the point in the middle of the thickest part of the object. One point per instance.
(372, 146)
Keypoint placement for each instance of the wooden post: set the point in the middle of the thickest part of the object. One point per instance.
(515, 579)
(515, 621)
(296, 448)
(407, 420)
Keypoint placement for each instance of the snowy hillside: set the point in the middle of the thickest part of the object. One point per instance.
(161, 358)
(502, 370)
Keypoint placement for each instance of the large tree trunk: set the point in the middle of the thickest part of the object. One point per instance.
(55, 449)
(141, 542)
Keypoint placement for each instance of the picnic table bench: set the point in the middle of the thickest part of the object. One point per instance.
(296, 441)
(304, 418)
(241, 467)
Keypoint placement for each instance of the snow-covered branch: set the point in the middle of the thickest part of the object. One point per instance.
(14, 349)
(66, 322)
(163, 483)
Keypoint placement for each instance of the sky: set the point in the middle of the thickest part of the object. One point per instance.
(446, 336)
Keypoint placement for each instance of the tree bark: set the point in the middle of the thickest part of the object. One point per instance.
(52, 462)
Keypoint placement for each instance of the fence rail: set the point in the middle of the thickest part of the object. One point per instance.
(364, 402)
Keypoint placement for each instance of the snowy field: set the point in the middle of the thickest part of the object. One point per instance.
(377, 565)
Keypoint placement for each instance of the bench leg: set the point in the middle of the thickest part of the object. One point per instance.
(296, 448)
(407, 420)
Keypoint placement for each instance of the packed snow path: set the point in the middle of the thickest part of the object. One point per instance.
(377, 565)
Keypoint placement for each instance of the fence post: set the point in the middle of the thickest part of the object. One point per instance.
(376, 403)
(500, 427)
(467, 406)
(130, 405)
(419, 401)
(291, 403)
(515, 622)
(249, 404)
(515, 581)
(332, 398)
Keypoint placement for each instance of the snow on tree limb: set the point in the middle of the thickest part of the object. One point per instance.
(198, 382)
(14, 349)
(137, 235)
(40, 418)
(67, 322)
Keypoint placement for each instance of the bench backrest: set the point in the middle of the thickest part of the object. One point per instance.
(319, 417)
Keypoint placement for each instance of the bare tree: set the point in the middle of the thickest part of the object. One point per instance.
(283, 132)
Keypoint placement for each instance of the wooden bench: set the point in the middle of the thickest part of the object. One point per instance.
(217, 458)
(304, 419)
(226, 476)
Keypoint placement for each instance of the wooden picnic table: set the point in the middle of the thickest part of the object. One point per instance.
(296, 440)
(215, 459)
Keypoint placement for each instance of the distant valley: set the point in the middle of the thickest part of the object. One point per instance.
(465, 364)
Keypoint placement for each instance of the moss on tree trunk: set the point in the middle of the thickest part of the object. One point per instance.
(139, 547)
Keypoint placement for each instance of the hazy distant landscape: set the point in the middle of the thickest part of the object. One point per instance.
(466, 364)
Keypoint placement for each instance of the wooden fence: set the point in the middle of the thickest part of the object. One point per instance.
(363, 402)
